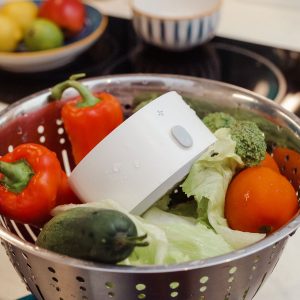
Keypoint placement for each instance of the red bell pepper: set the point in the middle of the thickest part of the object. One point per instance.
(65, 194)
(30, 182)
(68, 14)
(87, 118)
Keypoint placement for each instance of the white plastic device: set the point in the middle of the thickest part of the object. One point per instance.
(144, 157)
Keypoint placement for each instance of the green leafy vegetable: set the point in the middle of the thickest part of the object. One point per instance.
(209, 179)
(217, 120)
(171, 238)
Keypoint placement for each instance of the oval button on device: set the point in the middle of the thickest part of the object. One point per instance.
(182, 136)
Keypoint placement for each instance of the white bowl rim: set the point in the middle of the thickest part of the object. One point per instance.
(44, 53)
(209, 12)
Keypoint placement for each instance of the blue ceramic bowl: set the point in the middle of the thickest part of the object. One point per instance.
(28, 62)
(176, 24)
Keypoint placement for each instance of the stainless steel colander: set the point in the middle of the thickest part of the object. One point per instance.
(235, 276)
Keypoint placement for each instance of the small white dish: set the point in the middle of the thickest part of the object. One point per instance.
(37, 61)
(176, 24)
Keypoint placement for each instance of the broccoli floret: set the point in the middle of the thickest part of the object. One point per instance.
(250, 142)
(217, 120)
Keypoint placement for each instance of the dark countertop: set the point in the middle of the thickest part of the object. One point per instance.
(120, 51)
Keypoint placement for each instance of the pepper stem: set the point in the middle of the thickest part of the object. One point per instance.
(17, 175)
(87, 98)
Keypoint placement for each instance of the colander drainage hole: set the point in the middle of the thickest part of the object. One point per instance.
(174, 285)
(203, 287)
(80, 279)
(51, 270)
(82, 288)
(232, 270)
(109, 285)
(203, 279)
(141, 287)
(246, 293)
(42, 139)
(60, 130)
(174, 294)
(127, 106)
(55, 279)
(40, 129)
(59, 122)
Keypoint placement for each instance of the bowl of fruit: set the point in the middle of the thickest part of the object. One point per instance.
(43, 35)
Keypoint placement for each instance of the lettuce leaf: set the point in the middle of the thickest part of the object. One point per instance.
(172, 239)
(209, 179)
(187, 240)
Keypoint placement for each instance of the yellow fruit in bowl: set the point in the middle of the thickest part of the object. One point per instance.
(23, 12)
(10, 34)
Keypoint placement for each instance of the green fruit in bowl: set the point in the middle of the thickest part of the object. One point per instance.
(42, 35)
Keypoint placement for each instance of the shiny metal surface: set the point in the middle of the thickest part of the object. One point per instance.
(237, 275)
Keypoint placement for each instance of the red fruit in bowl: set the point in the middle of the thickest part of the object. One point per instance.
(67, 14)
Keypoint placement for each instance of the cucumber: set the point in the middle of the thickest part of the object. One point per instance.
(100, 235)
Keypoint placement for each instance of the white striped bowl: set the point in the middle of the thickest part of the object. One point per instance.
(175, 24)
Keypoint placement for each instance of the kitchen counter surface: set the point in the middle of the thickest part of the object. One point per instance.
(268, 22)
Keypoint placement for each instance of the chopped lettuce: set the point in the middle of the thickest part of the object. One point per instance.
(187, 240)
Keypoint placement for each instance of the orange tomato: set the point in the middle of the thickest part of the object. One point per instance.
(269, 162)
(259, 199)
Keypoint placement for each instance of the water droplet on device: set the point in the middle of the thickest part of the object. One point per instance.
(136, 163)
(116, 168)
